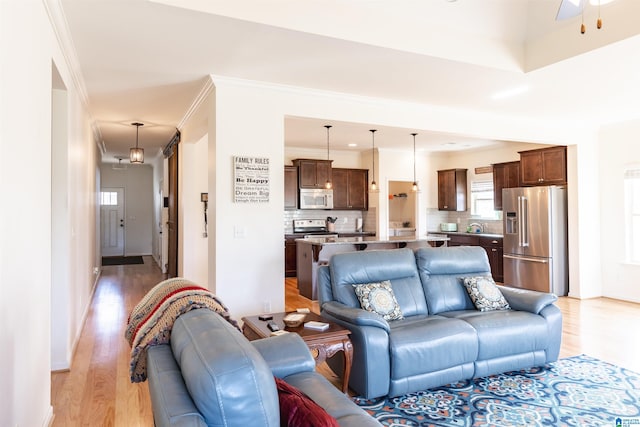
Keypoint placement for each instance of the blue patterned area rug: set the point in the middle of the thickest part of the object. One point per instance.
(576, 391)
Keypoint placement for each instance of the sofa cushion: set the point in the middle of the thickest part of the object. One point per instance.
(505, 332)
(298, 410)
(485, 294)
(379, 298)
(398, 266)
(440, 270)
(430, 344)
(335, 402)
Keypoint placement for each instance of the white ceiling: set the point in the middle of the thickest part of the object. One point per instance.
(145, 60)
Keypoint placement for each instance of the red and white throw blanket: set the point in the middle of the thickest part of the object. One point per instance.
(151, 321)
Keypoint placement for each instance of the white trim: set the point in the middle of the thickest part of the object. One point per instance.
(206, 89)
(60, 26)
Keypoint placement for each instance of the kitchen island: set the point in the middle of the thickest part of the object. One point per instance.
(312, 252)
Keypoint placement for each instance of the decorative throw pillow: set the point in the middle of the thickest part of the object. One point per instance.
(298, 410)
(485, 294)
(379, 298)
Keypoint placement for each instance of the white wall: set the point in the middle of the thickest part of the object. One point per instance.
(28, 47)
(193, 181)
(61, 329)
(157, 226)
(618, 150)
(341, 158)
(139, 219)
(247, 118)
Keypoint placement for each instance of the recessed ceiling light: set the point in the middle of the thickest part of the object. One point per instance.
(352, 144)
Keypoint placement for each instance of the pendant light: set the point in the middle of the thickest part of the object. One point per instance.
(414, 186)
(136, 155)
(374, 186)
(328, 184)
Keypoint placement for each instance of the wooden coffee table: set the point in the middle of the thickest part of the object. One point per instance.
(323, 344)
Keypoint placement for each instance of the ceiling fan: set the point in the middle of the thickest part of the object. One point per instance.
(572, 8)
(569, 9)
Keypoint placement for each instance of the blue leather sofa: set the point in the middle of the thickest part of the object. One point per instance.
(211, 375)
(443, 338)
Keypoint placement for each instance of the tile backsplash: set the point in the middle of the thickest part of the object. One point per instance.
(346, 222)
(434, 219)
(463, 219)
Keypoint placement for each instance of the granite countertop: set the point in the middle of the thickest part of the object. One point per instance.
(293, 235)
(368, 240)
(464, 233)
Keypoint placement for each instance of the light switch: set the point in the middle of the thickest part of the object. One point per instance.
(239, 232)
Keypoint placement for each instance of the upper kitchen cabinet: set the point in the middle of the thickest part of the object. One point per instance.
(350, 189)
(313, 173)
(452, 190)
(290, 187)
(545, 166)
(505, 175)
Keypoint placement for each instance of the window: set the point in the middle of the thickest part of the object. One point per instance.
(482, 199)
(632, 213)
(108, 198)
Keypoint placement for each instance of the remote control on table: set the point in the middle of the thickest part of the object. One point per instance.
(273, 326)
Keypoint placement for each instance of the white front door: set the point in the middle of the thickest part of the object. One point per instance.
(112, 221)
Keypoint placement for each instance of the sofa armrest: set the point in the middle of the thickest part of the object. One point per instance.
(526, 300)
(172, 405)
(355, 316)
(285, 354)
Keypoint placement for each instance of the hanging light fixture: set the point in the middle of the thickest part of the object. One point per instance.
(136, 155)
(328, 184)
(414, 186)
(374, 186)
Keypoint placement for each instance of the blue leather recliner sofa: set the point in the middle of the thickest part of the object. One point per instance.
(442, 338)
(211, 375)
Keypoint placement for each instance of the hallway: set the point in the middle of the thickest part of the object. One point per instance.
(97, 390)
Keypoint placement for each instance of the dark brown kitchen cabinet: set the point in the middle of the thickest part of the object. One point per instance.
(462, 240)
(350, 189)
(492, 245)
(313, 173)
(544, 166)
(505, 175)
(290, 262)
(290, 187)
(494, 249)
(452, 190)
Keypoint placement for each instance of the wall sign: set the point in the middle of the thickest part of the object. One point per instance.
(251, 179)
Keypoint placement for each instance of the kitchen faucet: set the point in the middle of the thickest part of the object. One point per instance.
(471, 226)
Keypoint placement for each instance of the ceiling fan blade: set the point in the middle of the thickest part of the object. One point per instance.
(569, 9)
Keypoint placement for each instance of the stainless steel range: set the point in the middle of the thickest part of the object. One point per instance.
(312, 228)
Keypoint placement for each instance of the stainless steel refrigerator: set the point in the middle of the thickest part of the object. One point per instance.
(535, 238)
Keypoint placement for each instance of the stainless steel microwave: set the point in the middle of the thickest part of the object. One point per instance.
(312, 198)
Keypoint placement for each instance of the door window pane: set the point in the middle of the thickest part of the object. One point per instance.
(108, 198)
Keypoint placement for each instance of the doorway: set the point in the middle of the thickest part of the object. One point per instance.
(112, 221)
(402, 208)
(172, 214)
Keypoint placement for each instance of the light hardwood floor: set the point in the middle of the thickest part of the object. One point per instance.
(97, 390)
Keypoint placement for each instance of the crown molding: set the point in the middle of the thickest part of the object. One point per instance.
(60, 28)
(199, 99)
